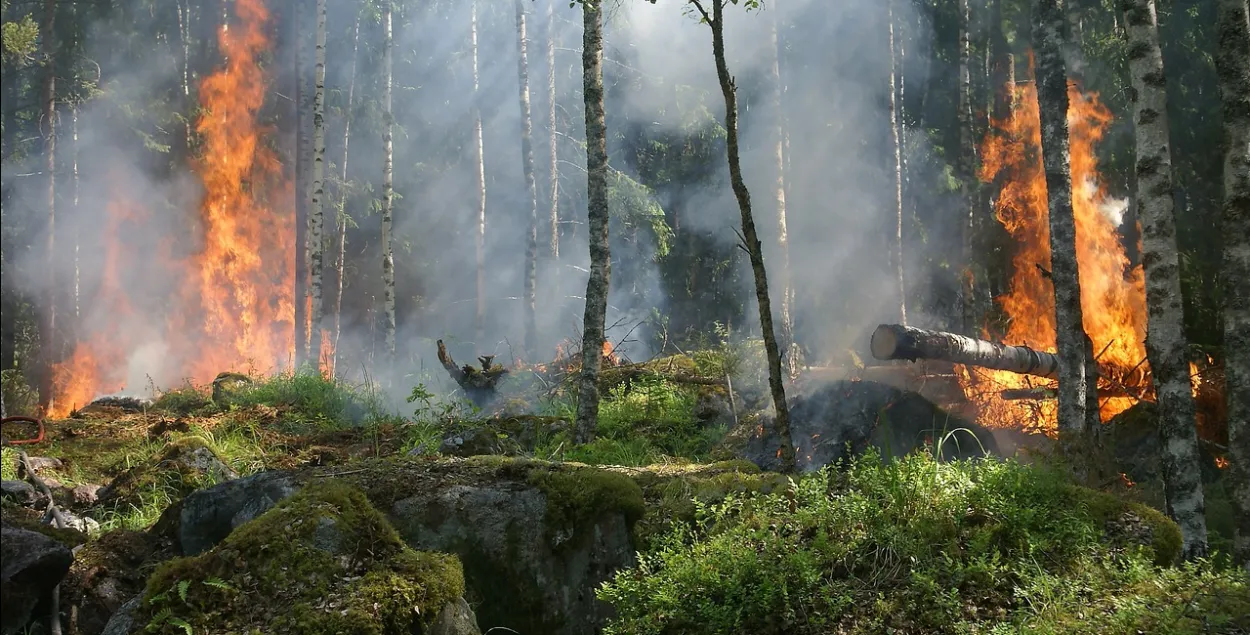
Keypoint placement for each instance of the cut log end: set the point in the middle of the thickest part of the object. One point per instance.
(885, 342)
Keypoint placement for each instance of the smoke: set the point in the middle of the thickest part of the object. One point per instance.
(660, 75)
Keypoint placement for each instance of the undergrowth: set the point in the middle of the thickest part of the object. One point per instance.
(917, 546)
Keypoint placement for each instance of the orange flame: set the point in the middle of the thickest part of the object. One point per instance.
(235, 307)
(609, 353)
(1221, 462)
(1112, 293)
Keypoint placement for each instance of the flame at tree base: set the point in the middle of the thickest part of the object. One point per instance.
(233, 307)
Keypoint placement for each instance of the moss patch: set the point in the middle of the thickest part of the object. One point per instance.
(579, 496)
(323, 561)
(1109, 511)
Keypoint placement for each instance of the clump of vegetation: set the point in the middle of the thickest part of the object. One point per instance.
(8, 463)
(918, 546)
(323, 561)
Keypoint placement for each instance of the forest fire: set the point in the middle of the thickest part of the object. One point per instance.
(1112, 293)
(233, 306)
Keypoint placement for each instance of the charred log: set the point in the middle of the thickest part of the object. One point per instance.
(479, 384)
(895, 341)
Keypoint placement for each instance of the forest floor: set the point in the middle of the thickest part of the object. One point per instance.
(868, 545)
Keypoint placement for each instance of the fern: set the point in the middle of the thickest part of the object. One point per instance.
(218, 583)
(183, 587)
(181, 623)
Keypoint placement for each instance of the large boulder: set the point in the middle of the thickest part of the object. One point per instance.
(321, 561)
(536, 539)
(31, 565)
(828, 419)
(1133, 440)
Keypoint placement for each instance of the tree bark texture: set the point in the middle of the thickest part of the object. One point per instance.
(1165, 336)
(1233, 65)
(303, 165)
(895, 341)
(1052, 96)
(48, 340)
(340, 259)
(788, 342)
(597, 219)
(316, 225)
(531, 189)
(896, 250)
(479, 182)
(754, 249)
(388, 187)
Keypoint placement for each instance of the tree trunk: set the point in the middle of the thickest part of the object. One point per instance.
(302, 165)
(479, 177)
(753, 247)
(316, 240)
(388, 191)
(340, 260)
(48, 340)
(1052, 96)
(895, 341)
(965, 168)
(779, 192)
(597, 220)
(1165, 336)
(184, 34)
(531, 191)
(554, 188)
(897, 247)
(1233, 65)
(77, 299)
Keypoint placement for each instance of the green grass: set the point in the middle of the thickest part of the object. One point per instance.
(920, 547)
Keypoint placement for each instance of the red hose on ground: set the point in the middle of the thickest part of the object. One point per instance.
(37, 439)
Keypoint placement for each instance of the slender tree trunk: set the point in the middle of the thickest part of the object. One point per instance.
(597, 220)
(48, 340)
(965, 166)
(1233, 65)
(388, 191)
(184, 34)
(73, 118)
(340, 260)
(1070, 337)
(788, 342)
(897, 250)
(554, 188)
(753, 247)
(479, 178)
(531, 190)
(302, 165)
(316, 239)
(1165, 336)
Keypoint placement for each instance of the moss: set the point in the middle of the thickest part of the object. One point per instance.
(672, 497)
(322, 561)
(578, 496)
(1104, 508)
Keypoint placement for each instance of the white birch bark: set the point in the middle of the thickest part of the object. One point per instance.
(554, 187)
(388, 190)
(479, 181)
(897, 247)
(316, 240)
(531, 190)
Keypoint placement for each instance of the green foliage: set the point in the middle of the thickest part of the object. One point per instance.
(19, 38)
(8, 463)
(909, 546)
(187, 400)
(19, 397)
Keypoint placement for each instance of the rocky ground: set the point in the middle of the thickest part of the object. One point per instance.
(292, 506)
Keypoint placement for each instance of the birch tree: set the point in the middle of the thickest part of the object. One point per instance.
(388, 189)
(597, 219)
(1165, 337)
(779, 196)
(340, 259)
(48, 341)
(897, 248)
(965, 165)
(531, 200)
(479, 182)
(303, 165)
(1070, 337)
(316, 242)
(552, 135)
(715, 21)
(1232, 62)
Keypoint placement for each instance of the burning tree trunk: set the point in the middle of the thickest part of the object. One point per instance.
(597, 219)
(554, 188)
(897, 251)
(316, 241)
(388, 190)
(479, 181)
(527, 164)
(783, 241)
(340, 260)
(48, 346)
(753, 247)
(1233, 64)
(302, 166)
(1052, 96)
(1165, 338)
(895, 341)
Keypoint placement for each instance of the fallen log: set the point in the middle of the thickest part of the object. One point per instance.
(895, 341)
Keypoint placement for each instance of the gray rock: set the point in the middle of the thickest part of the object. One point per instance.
(209, 515)
(123, 621)
(85, 524)
(455, 619)
(31, 565)
(39, 464)
(86, 494)
(22, 493)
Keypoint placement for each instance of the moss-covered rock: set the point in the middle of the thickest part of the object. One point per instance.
(323, 561)
(1131, 523)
